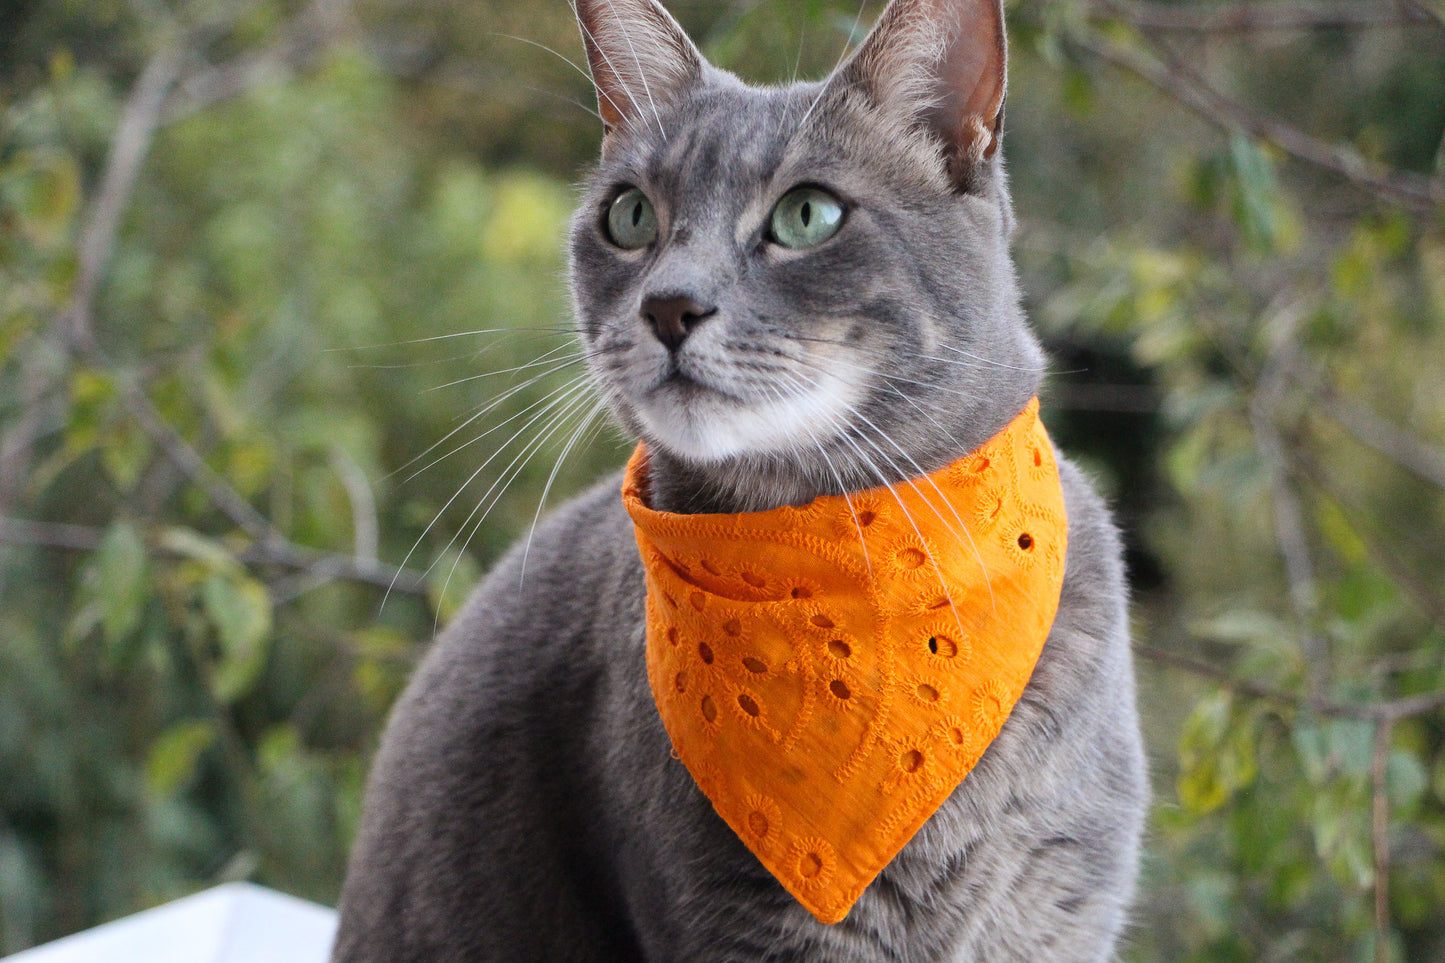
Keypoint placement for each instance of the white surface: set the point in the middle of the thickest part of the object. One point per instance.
(234, 923)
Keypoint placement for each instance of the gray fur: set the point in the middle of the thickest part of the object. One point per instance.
(525, 804)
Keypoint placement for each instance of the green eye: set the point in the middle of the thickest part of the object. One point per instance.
(806, 217)
(631, 222)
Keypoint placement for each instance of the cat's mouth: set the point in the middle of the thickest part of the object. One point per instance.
(702, 421)
(678, 384)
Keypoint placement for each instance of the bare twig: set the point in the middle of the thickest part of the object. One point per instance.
(85, 538)
(138, 121)
(1427, 8)
(306, 40)
(189, 461)
(1255, 17)
(1385, 437)
(1392, 710)
(1175, 80)
(140, 118)
(365, 530)
(1288, 517)
(1380, 543)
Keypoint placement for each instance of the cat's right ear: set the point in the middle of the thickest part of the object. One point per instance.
(940, 64)
(641, 60)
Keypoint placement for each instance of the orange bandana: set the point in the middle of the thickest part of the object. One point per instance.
(829, 674)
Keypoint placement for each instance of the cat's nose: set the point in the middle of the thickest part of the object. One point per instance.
(673, 318)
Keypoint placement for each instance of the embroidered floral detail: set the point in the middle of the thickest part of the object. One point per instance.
(829, 674)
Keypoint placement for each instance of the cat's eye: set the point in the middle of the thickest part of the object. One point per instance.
(631, 221)
(806, 217)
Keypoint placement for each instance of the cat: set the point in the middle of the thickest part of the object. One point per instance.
(786, 293)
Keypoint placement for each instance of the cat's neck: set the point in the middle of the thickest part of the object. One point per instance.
(752, 486)
(757, 484)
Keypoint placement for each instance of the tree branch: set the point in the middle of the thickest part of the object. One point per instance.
(1256, 17)
(1289, 524)
(1384, 436)
(135, 132)
(1390, 710)
(1176, 81)
(306, 40)
(85, 538)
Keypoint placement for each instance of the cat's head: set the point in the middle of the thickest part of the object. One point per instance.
(791, 291)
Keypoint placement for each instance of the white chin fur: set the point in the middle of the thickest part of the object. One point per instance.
(709, 427)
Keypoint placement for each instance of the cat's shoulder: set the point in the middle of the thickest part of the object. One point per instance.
(575, 559)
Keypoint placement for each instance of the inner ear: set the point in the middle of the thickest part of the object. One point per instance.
(640, 58)
(943, 63)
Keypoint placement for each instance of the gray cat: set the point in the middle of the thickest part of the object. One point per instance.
(786, 292)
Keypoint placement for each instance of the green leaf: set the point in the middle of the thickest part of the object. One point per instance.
(1405, 781)
(1216, 754)
(1310, 748)
(120, 582)
(240, 609)
(193, 545)
(171, 764)
(450, 581)
(124, 452)
(1351, 745)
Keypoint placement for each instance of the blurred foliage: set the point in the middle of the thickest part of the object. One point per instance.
(330, 328)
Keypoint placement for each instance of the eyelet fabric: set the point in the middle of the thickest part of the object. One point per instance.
(830, 674)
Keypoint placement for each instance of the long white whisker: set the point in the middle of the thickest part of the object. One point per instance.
(541, 46)
(989, 361)
(842, 488)
(447, 337)
(641, 74)
(504, 480)
(615, 73)
(963, 526)
(472, 477)
(482, 412)
(499, 488)
(548, 358)
(841, 55)
(586, 423)
(889, 485)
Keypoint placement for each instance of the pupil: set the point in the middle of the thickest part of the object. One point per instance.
(807, 214)
(637, 214)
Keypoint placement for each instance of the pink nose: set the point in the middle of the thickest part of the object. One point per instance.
(672, 319)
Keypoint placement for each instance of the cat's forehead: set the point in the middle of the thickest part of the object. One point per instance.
(721, 137)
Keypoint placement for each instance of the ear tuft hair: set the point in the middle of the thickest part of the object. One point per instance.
(641, 60)
(943, 65)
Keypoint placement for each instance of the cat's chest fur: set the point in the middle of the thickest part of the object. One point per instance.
(534, 809)
(788, 293)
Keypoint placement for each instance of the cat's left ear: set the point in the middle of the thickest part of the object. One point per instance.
(640, 58)
(942, 63)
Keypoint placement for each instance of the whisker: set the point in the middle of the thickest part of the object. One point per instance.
(504, 480)
(448, 337)
(564, 99)
(842, 488)
(600, 91)
(566, 386)
(586, 423)
(481, 412)
(541, 46)
(822, 90)
(963, 526)
(641, 74)
(889, 485)
(471, 478)
(548, 358)
(989, 361)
